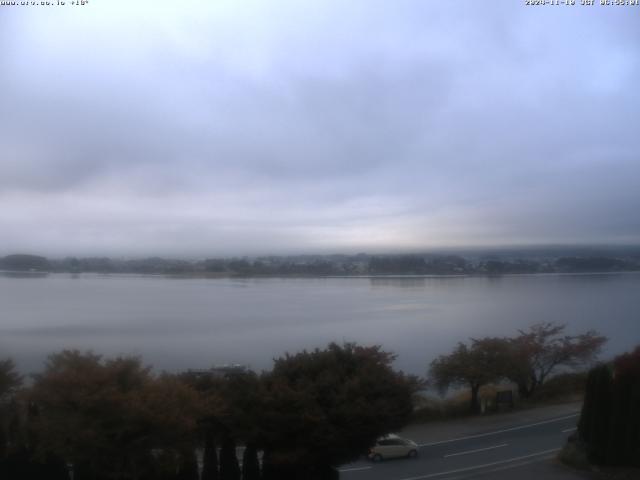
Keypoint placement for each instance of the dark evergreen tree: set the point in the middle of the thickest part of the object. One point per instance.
(188, 468)
(229, 468)
(624, 430)
(610, 420)
(250, 463)
(268, 468)
(594, 426)
(210, 457)
(588, 408)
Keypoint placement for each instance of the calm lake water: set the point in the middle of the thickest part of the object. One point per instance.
(194, 323)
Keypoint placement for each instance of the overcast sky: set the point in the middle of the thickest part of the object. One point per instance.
(215, 127)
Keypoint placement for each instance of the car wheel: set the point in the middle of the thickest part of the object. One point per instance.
(377, 458)
(412, 454)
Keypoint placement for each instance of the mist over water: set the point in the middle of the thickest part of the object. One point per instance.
(177, 324)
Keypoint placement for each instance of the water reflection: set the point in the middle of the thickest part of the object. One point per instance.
(397, 282)
(192, 323)
(7, 274)
(414, 282)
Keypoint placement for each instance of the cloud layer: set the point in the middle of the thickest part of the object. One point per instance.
(264, 127)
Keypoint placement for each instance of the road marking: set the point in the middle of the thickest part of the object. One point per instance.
(569, 429)
(503, 468)
(474, 451)
(355, 469)
(484, 465)
(469, 437)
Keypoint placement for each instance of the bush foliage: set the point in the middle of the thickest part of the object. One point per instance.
(114, 418)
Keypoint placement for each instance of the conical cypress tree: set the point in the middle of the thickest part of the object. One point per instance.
(614, 449)
(229, 468)
(633, 437)
(624, 445)
(210, 458)
(165, 466)
(601, 415)
(325, 472)
(188, 469)
(4, 450)
(586, 415)
(250, 463)
(268, 472)
(55, 468)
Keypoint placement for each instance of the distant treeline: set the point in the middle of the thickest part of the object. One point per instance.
(326, 265)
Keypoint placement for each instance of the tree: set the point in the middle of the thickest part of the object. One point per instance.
(326, 407)
(232, 409)
(474, 366)
(229, 468)
(250, 463)
(624, 428)
(10, 380)
(22, 262)
(188, 465)
(210, 457)
(609, 424)
(593, 426)
(108, 416)
(402, 264)
(539, 351)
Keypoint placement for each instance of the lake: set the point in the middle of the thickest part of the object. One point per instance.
(180, 323)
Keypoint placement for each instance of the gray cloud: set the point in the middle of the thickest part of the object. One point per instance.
(224, 128)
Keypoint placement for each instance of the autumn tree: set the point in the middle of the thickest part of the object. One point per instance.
(233, 405)
(10, 380)
(474, 365)
(325, 407)
(107, 417)
(250, 463)
(544, 348)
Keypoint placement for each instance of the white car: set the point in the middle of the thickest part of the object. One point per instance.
(393, 446)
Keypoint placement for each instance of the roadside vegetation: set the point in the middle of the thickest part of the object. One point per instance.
(561, 388)
(528, 361)
(114, 418)
(608, 437)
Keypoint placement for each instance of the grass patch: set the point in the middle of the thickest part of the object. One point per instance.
(429, 408)
(563, 388)
(574, 455)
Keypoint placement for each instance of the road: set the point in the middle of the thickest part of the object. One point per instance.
(522, 451)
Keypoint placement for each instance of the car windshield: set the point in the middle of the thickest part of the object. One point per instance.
(393, 441)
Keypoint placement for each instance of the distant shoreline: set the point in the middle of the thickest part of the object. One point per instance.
(339, 266)
(187, 276)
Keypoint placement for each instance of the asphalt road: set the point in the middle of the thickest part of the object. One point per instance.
(522, 451)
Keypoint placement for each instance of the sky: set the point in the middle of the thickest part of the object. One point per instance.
(228, 127)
